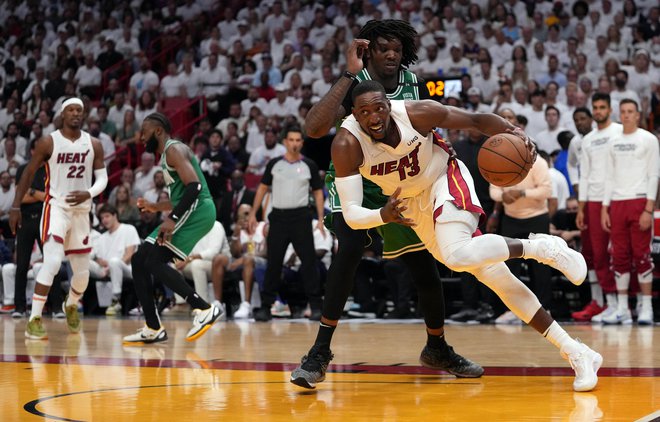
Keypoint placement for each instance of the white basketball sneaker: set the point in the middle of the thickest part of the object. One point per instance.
(202, 321)
(244, 311)
(619, 317)
(556, 253)
(606, 313)
(586, 363)
(146, 335)
(645, 315)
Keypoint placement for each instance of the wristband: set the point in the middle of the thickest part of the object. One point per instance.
(650, 212)
(15, 209)
(349, 75)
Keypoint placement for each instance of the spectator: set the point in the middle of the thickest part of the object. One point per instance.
(546, 140)
(129, 129)
(123, 202)
(153, 194)
(233, 199)
(117, 113)
(143, 80)
(144, 174)
(145, 106)
(88, 78)
(11, 159)
(112, 254)
(217, 164)
(282, 105)
(265, 153)
(238, 153)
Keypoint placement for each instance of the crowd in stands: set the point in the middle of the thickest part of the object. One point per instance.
(244, 70)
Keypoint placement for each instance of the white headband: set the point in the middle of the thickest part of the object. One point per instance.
(71, 101)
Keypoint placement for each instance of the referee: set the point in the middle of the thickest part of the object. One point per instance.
(28, 232)
(290, 178)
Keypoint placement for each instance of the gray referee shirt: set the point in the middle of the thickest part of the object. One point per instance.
(290, 181)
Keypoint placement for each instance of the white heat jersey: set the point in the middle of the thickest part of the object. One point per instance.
(593, 161)
(632, 167)
(414, 165)
(69, 168)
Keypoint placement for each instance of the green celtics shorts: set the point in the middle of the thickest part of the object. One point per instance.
(397, 239)
(192, 226)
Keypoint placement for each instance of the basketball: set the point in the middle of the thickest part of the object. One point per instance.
(504, 160)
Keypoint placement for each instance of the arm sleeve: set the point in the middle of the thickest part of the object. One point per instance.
(100, 182)
(350, 194)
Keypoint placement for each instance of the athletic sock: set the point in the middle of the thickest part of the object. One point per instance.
(596, 290)
(622, 302)
(197, 302)
(73, 298)
(38, 302)
(324, 336)
(530, 248)
(610, 299)
(436, 342)
(560, 338)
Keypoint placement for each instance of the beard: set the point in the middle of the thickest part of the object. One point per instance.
(152, 144)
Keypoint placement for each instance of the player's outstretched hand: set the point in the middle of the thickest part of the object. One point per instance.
(354, 55)
(529, 143)
(78, 197)
(391, 212)
(14, 219)
(144, 205)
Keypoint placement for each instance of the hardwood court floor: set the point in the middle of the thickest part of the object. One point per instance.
(240, 371)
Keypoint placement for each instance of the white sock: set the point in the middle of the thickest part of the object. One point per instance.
(611, 300)
(596, 290)
(38, 302)
(560, 338)
(646, 301)
(530, 248)
(73, 298)
(622, 302)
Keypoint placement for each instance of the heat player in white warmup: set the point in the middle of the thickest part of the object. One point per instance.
(72, 159)
(393, 145)
(631, 186)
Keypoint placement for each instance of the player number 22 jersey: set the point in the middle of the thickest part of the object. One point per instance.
(69, 168)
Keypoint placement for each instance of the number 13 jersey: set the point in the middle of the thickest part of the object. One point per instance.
(69, 168)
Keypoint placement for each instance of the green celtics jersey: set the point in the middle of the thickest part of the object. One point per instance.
(173, 181)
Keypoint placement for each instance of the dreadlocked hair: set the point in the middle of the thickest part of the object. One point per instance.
(393, 29)
(161, 120)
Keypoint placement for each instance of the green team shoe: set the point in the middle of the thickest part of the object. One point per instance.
(35, 329)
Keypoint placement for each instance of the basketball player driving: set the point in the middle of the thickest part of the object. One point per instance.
(71, 157)
(392, 144)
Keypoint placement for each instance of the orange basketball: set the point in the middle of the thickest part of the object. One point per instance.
(504, 160)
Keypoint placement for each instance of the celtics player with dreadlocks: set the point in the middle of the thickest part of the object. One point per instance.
(382, 52)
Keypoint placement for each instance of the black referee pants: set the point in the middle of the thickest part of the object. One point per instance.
(291, 226)
(25, 237)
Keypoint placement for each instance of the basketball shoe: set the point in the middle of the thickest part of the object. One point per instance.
(202, 321)
(592, 309)
(146, 335)
(556, 254)
(621, 316)
(445, 359)
(72, 317)
(586, 363)
(312, 367)
(645, 316)
(35, 329)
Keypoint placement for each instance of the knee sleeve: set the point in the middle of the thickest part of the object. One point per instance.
(53, 257)
(515, 295)
(461, 252)
(80, 267)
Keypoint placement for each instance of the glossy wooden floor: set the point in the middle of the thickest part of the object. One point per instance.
(240, 371)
